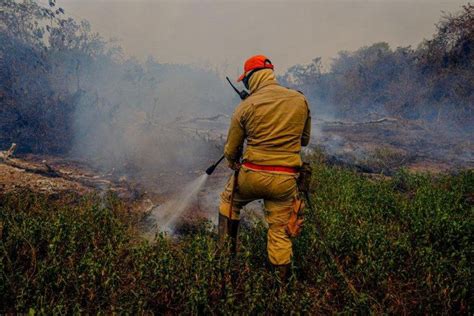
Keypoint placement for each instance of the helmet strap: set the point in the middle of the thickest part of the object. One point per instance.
(247, 77)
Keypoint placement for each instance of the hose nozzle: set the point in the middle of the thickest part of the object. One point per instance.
(213, 167)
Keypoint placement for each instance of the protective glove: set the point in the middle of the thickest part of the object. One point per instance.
(233, 165)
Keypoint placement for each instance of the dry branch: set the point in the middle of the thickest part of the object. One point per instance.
(7, 154)
(382, 120)
(210, 118)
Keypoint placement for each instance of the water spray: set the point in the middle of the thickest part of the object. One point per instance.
(164, 216)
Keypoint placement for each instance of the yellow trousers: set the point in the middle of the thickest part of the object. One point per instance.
(278, 190)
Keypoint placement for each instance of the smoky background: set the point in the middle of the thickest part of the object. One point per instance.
(66, 90)
(138, 117)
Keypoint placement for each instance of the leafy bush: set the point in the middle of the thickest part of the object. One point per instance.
(405, 243)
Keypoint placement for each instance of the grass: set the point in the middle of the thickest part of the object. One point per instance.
(405, 243)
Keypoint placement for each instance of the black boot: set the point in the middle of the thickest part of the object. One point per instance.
(230, 228)
(283, 272)
(227, 228)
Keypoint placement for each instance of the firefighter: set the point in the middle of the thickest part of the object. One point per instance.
(275, 122)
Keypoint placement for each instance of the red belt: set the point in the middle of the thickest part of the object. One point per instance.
(269, 168)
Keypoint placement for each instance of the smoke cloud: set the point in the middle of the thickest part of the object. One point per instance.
(136, 119)
(221, 34)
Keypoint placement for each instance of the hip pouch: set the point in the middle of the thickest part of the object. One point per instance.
(295, 224)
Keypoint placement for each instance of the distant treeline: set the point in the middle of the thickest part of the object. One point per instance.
(64, 86)
(434, 82)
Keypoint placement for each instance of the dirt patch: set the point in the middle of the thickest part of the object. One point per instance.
(56, 176)
(13, 179)
(387, 145)
(433, 167)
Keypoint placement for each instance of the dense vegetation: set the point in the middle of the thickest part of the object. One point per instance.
(433, 82)
(405, 243)
(64, 87)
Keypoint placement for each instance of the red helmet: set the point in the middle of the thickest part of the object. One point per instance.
(256, 62)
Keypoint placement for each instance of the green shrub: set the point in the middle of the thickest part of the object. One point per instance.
(405, 244)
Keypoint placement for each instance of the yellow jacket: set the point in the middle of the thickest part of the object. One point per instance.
(274, 120)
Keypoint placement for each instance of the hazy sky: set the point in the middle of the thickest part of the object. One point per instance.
(224, 33)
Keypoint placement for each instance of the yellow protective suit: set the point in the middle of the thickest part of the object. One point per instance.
(276, 122)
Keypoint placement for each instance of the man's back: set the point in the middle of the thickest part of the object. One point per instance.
(275, 121)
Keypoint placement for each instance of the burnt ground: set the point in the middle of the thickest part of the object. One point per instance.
(381, 146)
(56, 176)
(28, 172)
(386, 145)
